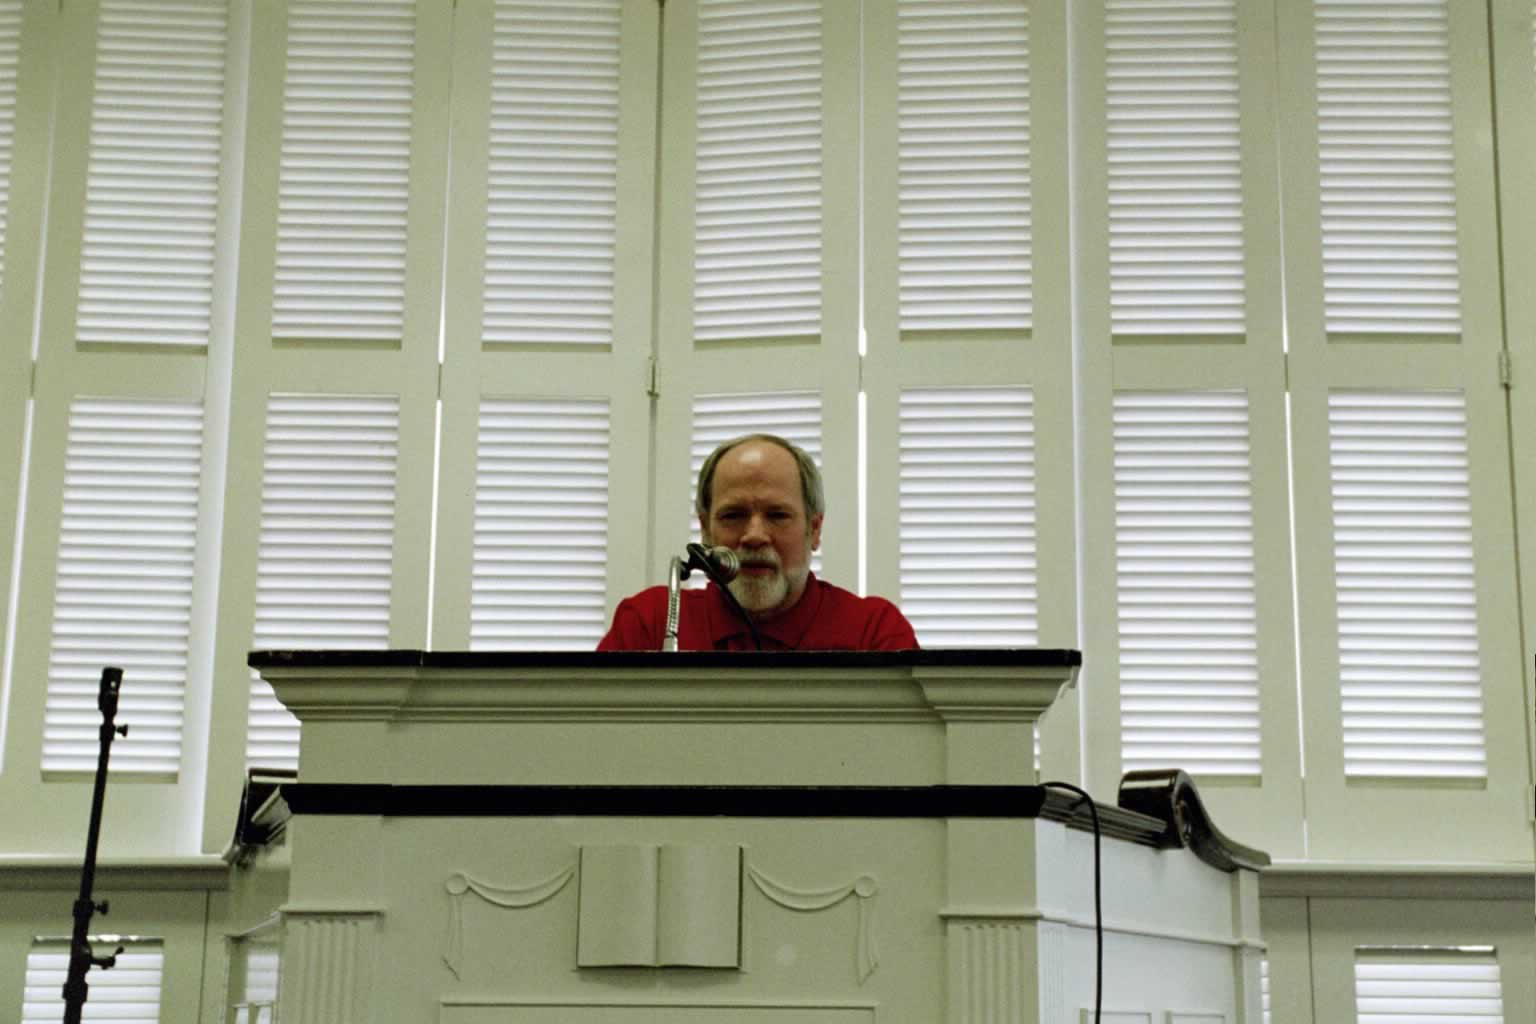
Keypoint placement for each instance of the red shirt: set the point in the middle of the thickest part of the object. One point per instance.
(826, 618)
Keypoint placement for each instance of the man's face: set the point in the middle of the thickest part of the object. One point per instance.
(757, 509)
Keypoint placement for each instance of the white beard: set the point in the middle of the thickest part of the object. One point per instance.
(766, 593)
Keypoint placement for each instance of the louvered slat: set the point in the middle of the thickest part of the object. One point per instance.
(964, 176)
(1451, 986)
(541, 525)
(792, 415)
(1409, 671)
(123, 594)
(1189, 685)
(10, 53)
(1264, 987)
(127, 994)
(345, 164)
(1387, 167)
(553, 173)
(1175, 175)
(152, 182)
(258, 1001)
(967, 516)
(327, 542)
(757, 217)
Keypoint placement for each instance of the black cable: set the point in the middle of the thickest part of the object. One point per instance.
(1098, 897)
(699, 558)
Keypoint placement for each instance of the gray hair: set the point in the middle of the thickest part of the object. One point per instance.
(810, 477)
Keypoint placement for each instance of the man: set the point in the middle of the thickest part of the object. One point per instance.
(762, 497)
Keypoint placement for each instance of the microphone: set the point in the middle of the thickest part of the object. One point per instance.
(718, 563)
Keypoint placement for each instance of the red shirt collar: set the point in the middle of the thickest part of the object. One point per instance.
(785, 632)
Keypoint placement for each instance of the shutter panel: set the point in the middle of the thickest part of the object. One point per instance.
(325, 557)
(258, 1001)
(1428, 986)
(1175, 186)
(792, 415)
(1264, 987)
(10, 53)
(554, 138)
(964, 129)
(1387, 167)
(758, 224)
(345, 165)
(123, 594)
(967, 516)
(151, 208)
(1185, 582)
(541, 525)
(127, 994)
(1409, 671)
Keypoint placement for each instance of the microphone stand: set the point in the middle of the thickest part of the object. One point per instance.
(81, 957)
(679, 570)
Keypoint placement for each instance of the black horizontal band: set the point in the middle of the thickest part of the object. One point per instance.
(837, 802)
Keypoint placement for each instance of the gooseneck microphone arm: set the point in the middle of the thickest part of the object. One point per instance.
(721, 565)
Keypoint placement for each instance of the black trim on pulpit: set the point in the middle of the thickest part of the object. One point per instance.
(992, 657)
(1157, 809)
(1170, 796)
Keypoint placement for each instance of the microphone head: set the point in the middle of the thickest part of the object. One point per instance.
(726, 563)
(719, 563)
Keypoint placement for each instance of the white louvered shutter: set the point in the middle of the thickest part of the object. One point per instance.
(1409, 671)
(10, 52)
(1185, 584)
(541, 525)
(146, 272)
(758, 219)
(1387, 167)
(345, 166)
(1264, 987)
(123, 594)
(553, 188)
(967, 516)
(1428, 986)
(1175, 188)
(965, 200)
(127, 994)
(258, 999)
(792, 415)
(325, 558)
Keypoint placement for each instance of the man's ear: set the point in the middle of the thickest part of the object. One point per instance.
(816, 532)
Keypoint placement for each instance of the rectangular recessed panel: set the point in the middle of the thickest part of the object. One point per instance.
(343, 182)
(964, 166)
(541, 525)
(1189, 676)
(326, 553)
(553, 187)
(123, 594)
(1387, 167)
(967, 517)
(757, 212)
(1428, 986)
(127, 994)
(10, 53)
(793, 415)
(1175, 167)
(1409, 673)
(152, 183)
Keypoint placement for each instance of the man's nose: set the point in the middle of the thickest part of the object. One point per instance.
(756, 533)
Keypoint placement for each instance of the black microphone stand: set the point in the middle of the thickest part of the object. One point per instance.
(81, 957)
